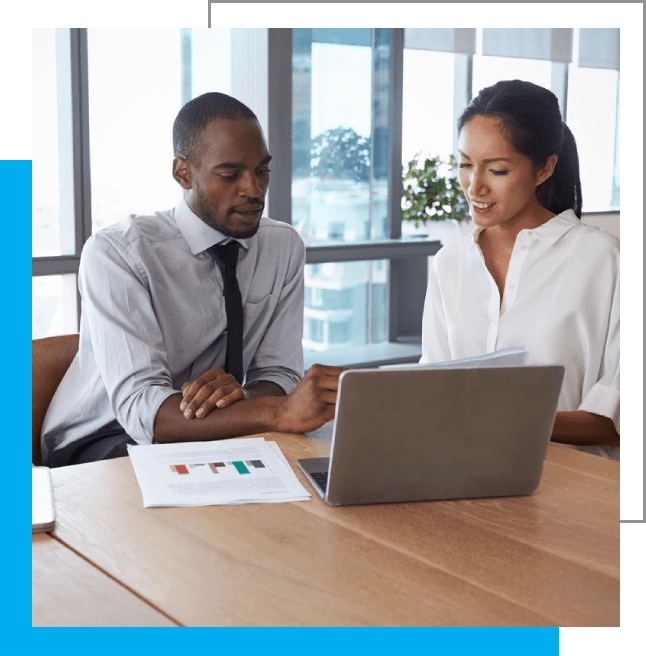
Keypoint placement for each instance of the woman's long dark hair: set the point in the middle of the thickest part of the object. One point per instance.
(531, 119)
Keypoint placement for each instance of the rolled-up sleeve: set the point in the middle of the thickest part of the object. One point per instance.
(125, 336)
(279, 356)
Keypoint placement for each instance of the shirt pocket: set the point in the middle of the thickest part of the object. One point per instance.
(256, 317)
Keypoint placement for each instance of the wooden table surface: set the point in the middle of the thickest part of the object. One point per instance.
(62, 581)
(551, 559)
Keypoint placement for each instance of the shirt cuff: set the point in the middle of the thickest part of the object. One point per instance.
(603, 400)
(141, 426)
(286, 381)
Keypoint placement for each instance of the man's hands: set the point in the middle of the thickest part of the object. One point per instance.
(307, 408)
(213, 389)
(313, 401)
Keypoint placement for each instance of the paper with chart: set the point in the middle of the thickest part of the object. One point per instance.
(240, 470)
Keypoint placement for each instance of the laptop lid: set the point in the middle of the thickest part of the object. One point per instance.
(423, 434)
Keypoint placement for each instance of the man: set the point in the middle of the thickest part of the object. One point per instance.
(154, 320)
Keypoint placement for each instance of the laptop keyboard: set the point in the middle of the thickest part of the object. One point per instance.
(321, 479)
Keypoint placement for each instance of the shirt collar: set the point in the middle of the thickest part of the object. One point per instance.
(198, 234)
(550, 232)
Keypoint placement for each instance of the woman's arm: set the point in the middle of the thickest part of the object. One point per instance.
(584, 428)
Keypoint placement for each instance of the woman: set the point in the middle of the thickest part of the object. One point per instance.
(531, 274)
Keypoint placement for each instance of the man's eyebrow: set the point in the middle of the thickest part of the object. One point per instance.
(233, 165)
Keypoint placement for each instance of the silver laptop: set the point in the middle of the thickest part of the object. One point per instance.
(425, 434)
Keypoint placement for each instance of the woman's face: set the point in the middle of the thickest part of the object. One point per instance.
(499, 182)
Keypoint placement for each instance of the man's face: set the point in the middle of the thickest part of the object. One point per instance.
(226, 188)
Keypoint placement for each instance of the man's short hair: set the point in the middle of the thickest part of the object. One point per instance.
(196, 114)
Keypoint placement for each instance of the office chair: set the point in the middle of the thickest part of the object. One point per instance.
(50, 359)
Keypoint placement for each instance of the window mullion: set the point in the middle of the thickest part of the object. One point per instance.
(80, 137)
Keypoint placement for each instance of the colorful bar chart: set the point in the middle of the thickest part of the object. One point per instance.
(241, 467)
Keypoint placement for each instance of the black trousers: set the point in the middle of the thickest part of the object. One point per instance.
(106, 444)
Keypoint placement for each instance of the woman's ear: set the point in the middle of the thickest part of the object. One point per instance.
(546, 171)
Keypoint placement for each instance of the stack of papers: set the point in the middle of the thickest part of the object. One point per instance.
(515, 356)
(239, 470)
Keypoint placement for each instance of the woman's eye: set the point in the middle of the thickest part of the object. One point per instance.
(463, 165)
(499, 172)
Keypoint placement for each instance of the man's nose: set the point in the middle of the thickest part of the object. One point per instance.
(251, 187)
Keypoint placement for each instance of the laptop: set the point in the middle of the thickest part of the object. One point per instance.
(428, 434)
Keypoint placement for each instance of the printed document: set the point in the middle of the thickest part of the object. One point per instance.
(240, 470)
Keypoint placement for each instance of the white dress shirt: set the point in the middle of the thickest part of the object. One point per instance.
(153, 317)
(561, 302)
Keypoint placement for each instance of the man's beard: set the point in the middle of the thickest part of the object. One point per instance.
(202, 211)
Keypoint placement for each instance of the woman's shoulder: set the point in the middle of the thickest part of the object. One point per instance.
(592, 236)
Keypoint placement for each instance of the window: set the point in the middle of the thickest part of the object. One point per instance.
(428, 119)
(136, 82)
(489, 70)
(358, 103)
(340, 127)
(334, 293)
(52, 220)
(158, 70)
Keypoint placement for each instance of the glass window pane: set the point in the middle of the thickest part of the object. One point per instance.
(340, 133)
(345, 305)
(489, 70)
(138, 80)
(592, 117)
(52, 210)
(427, 124)
(53, 305)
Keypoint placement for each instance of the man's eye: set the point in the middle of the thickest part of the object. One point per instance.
(264, 171)
(228, 176)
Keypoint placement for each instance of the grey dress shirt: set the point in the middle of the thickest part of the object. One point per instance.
(153, 317)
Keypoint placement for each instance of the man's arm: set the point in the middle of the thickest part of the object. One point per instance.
(217, 389)
(584, 428)
(307, 408)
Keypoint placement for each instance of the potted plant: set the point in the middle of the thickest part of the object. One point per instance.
(432, 197)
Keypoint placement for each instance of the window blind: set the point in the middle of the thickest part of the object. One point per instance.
(551, 44)
(458, 40)
(599, 48)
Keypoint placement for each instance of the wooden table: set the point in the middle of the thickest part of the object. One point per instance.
(62, 581)
(551, 559)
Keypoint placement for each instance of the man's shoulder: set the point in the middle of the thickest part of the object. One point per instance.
(156, 227)
(278, 230)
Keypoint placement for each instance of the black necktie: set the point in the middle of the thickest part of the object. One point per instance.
(226, 257)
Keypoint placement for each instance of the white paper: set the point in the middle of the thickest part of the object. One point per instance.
(240, 470)
(509, 357)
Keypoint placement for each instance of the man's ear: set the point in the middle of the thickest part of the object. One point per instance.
(183, 172)
(546, 172)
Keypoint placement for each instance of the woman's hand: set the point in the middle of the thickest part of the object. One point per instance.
(213, 389)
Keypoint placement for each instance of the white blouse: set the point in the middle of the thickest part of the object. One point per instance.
(561, 302)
